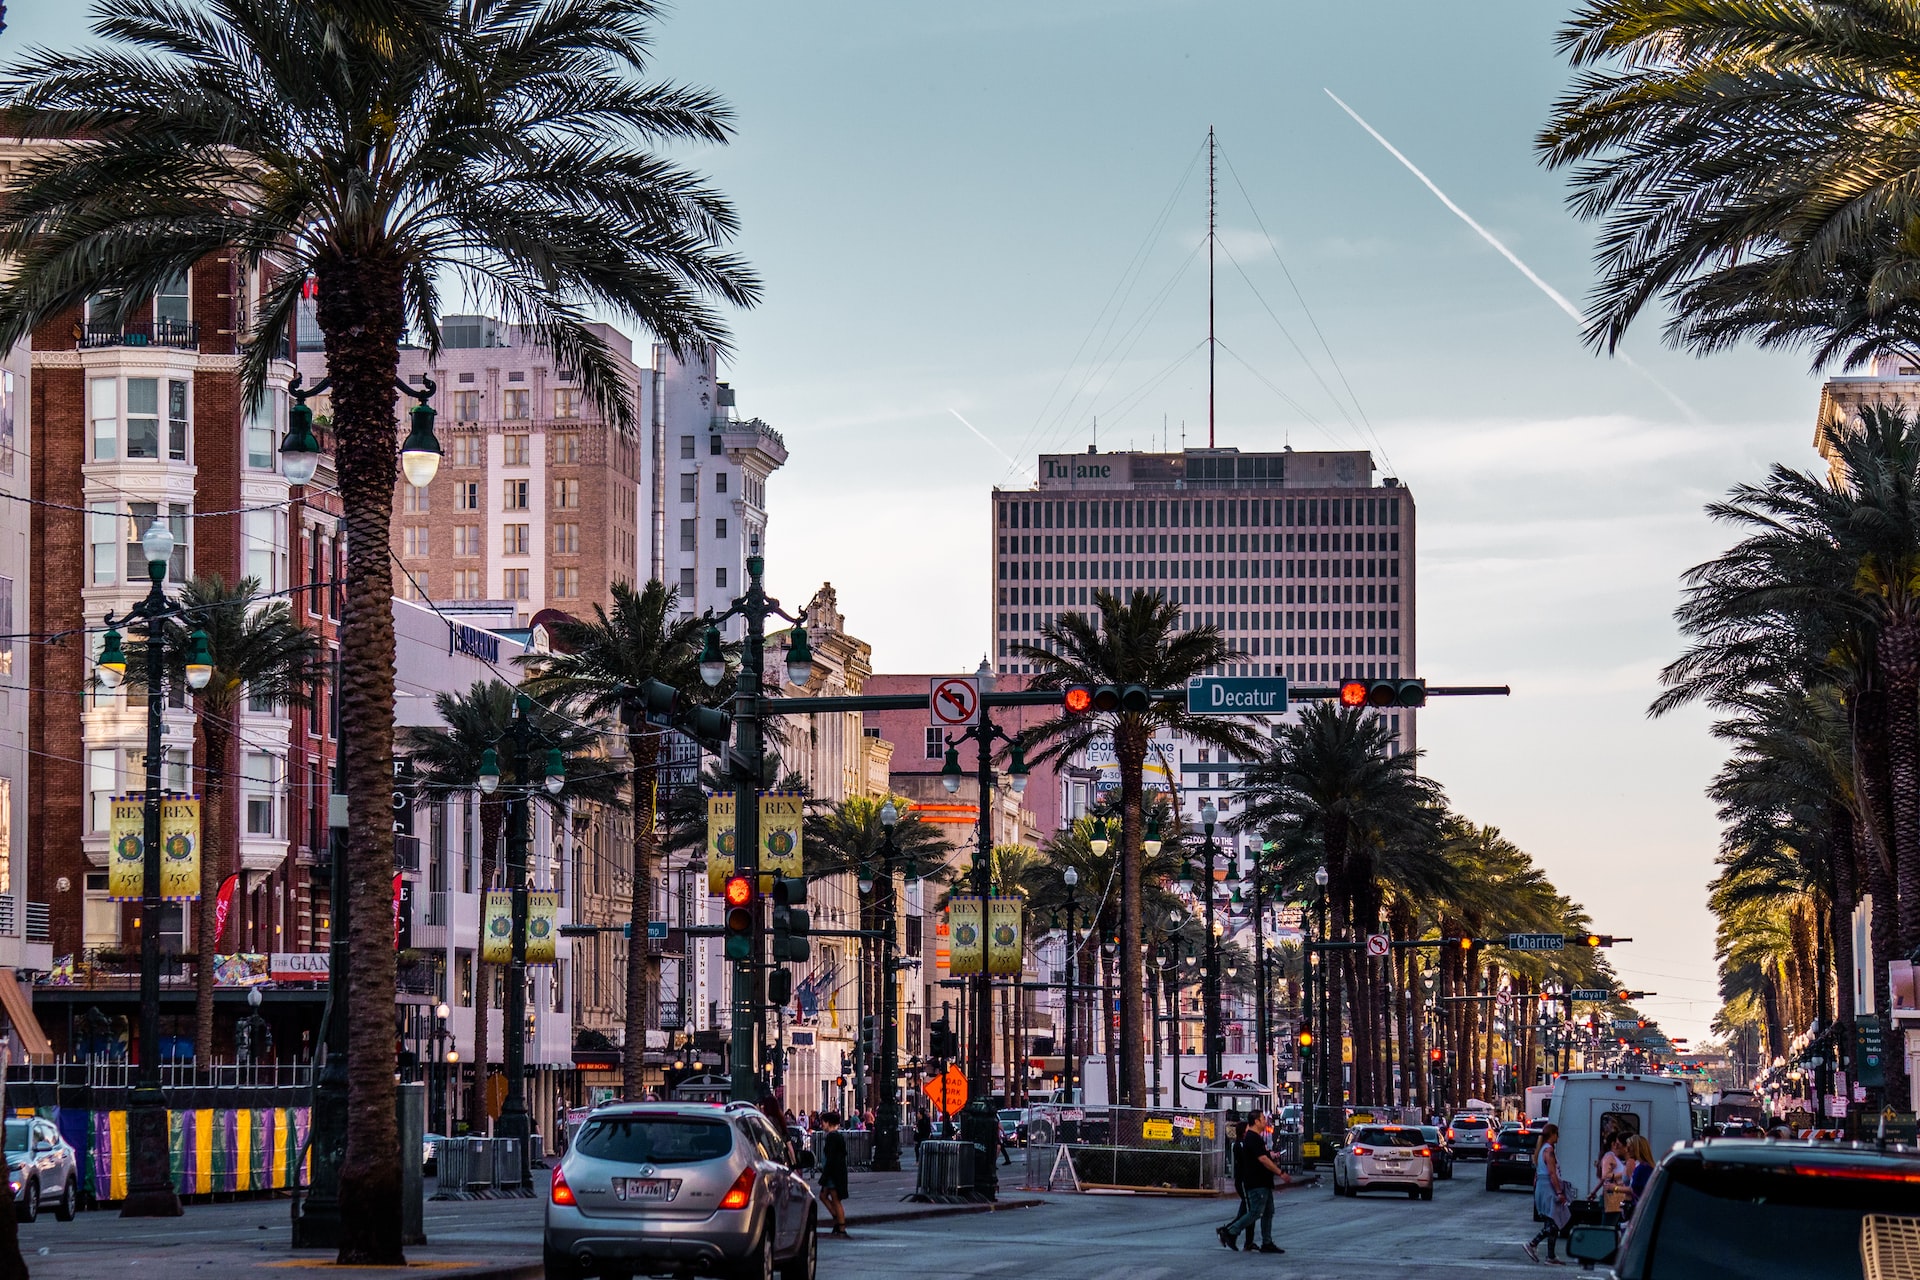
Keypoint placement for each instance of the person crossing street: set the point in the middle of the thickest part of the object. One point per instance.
(1258, 1173)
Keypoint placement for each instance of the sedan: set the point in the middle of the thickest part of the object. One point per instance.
(41, 1169)
(1510, 1157)
(1442, 1153)
(682, 1187)
(1384, 1157)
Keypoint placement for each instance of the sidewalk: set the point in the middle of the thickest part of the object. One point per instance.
(874, 1198)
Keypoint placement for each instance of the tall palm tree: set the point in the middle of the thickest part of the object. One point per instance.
(261, 654)
(1137, 640)
(1337, 774)
(448, 759)
(598, 666)
(386, 151)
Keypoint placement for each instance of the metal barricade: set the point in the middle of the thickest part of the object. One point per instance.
(859, 1147)
(450, 1165)
(479, 1164)
(506, 1164)
(945, 1173)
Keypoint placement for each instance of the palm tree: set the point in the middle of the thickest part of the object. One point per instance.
(1337, 776)
(384, 151)
(449, 759)
(1135, 641)
(1731, 145)
(260, 655)
(599, 666)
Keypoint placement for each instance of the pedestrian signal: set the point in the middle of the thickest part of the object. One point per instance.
(739, 896)
(1384, 693)
(780, 988)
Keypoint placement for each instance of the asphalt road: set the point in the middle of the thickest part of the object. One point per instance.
(1464, 1231)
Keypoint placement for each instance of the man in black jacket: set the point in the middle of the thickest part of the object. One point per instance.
(1257, 1175)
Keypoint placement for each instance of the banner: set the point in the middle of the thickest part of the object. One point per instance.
(221, 906)
(719, 842)
(1004, 953)
(298, 966)
(126, 845)
(780, 814)
(179, 847)
(963, 917)
(543, 927)
(243, 969)
(496, 937)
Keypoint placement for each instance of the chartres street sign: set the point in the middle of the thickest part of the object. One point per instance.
(1536, 941)
(1237, 695)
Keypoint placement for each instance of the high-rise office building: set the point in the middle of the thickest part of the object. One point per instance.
(1303, 560)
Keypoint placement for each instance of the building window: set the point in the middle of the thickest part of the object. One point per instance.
(517, 449)
(518, 584)
(720, 529)
(103, 406)
(566, 584)
(686, 446)
(417, 540)
(469, 451)
(6, 633)
(514, 403)
(566, 539)
(463, 977)
(468, 585)
(266, 551)
(720, 576)
(143, 417)
(689, 534)
(103, 779)
(466, 406)
(688, 482)
(687, 587)
(416, 499)
(513, 539)
(143, 514)
(103, 530)
(467, 541)
(418, 587)
(261, 778)
(514, 494)
(719, 482)
(266, 423)
(936, 742)
(566, 495)
(566, 447)
(172, 307)
(566, 402)
(177, 420)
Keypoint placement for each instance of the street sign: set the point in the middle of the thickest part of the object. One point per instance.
(1583, 993)
(1378, 944)
(954, 700)
(1237, 695)
(657, 930)
(1535, 941)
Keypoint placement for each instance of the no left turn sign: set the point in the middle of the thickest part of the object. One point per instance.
(1377, 944)
(954, 700)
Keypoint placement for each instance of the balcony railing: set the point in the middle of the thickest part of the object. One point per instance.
(183, 335)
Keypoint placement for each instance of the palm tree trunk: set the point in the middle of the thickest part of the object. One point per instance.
(1899, 654)
(492, 817)
(1130, 747)
(213, 859)
(1872, 781)
(361, 314)
(1844, 866)
(1106, 1024)
(643, 974)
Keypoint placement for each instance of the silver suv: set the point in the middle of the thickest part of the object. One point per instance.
(679, 1186)
(1470, 1134)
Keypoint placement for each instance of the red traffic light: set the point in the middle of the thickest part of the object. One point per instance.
(1353, 694)
(1078, 700)
(739, 891)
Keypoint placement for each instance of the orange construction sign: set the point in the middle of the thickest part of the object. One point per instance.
(947, 1091)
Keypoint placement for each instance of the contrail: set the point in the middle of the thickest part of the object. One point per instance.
(990, 444)
(1559, 299)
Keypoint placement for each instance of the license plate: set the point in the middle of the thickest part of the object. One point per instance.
(643, 1189)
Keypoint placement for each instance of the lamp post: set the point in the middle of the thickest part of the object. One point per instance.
(982, 1124)
(150, 1193)
(1315, 1041)
(514, 1121)
(441, 1060)
(1262, 1025)
(1210, 991)
(886, 1137)
(1072, 880)
(255, 1036)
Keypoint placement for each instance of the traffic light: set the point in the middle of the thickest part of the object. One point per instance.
(790, 923)
(870, 1036)
(1466, 944)
(739, 918)
(1599, 939)
(1383, 693)
(665, 705)
(1630, 995)
(1436, 1055)
(1080, 699)
(941, 1041)
(1306, 1043)
(779, 988)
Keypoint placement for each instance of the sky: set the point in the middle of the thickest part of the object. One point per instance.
(992, 213)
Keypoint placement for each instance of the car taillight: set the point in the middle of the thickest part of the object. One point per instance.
(1494, 1145)
(1863, 1175)
(1363, 1151)
(740, 1192)
(562, 1193)
(1425, 1151)
(1449, 1135)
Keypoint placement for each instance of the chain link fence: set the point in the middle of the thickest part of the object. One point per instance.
(1128, 1148)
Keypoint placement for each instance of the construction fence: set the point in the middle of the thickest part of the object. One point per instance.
(1126, 1148)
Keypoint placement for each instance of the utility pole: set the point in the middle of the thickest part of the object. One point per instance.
(514, 1122)
(1212, 346)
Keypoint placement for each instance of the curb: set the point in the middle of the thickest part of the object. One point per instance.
(939, 1211)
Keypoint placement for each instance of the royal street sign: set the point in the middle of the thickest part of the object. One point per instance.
(1237, 695)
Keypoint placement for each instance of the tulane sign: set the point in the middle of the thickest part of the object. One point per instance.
(1237, 695)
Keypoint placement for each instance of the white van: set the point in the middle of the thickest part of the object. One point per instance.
(1591, 1106)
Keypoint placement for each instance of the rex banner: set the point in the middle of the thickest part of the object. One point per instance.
(719, 842)
(179, 847)
(1003, 937)
(496, 929)
(963, 919)
(780, 816)
(543, 920)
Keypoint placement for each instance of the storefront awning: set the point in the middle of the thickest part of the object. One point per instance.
(18, 1008)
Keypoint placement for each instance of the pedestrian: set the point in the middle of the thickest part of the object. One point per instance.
(1551, 1199)
(1257, 1181)
(1240, 1176)
(1639, 1171)
(922, 1127)
(833, 1171)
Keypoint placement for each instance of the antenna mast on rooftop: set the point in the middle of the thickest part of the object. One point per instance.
(1210, 239)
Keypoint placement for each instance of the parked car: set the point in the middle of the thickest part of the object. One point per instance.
(1510, 1157)
(1384, 1157)
(41, 1169)
(1469, 1133)
(1732, 1210)
(430, 1153)
(1442, 1153)
(683, 1187)
(1013, 1126)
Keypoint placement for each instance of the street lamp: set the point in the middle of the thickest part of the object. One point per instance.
(886, 1120)
(441, 1060)
(713, 663)
(799, 658)
(1099, 843)
(1210, 1006)
(1071, 878)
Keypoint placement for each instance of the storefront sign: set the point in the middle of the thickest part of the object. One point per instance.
(298, 966)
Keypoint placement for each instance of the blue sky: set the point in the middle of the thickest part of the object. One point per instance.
(943, 199)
